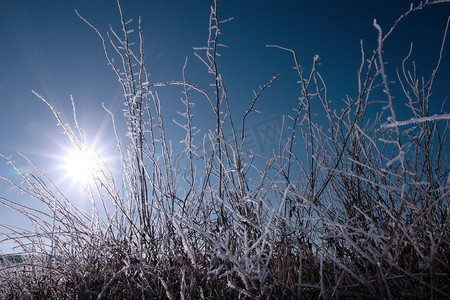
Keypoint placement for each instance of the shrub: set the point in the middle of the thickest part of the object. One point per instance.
(366, 215)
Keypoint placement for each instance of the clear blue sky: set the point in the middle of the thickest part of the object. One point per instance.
(45, 47)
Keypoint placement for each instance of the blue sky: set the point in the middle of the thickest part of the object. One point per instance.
(45, 47)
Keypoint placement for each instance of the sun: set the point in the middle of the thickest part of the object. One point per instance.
(83, 165)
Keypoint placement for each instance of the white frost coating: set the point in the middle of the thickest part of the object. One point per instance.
(417, 120)
(400, 157)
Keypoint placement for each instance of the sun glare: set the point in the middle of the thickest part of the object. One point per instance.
(83, 165)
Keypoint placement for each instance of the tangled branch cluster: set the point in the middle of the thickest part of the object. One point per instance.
(366, 214)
